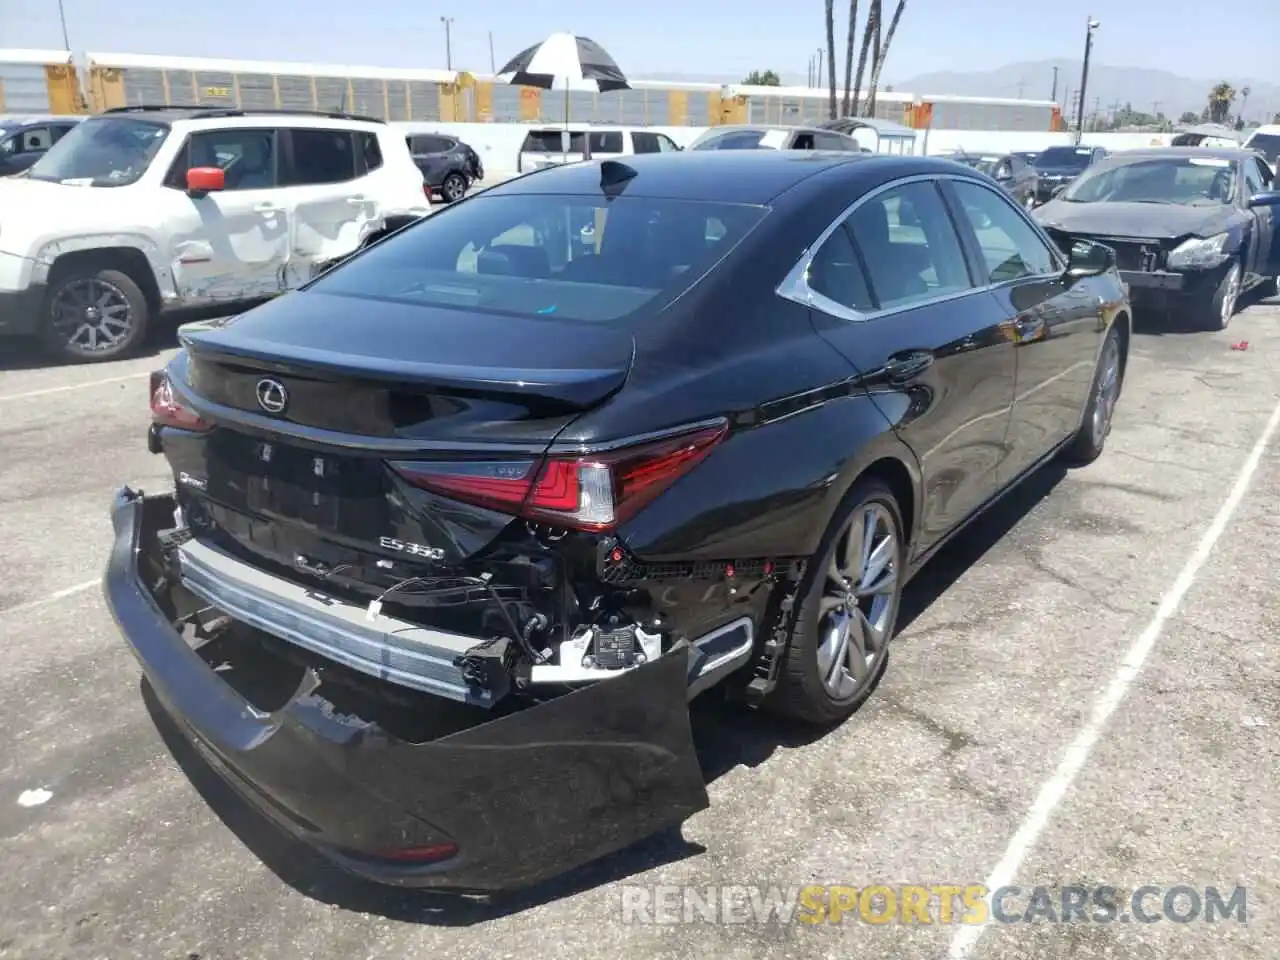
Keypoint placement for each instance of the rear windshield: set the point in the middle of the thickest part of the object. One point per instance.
(548, 141)
(564, 257)
(1268, 144)
(1075, 158)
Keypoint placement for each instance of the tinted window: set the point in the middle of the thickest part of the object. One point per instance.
(1016, 164)
(1253, 182)
(102, 151)
(743, 140)
(573, 258)
(831, 141)
(60, 132)
(320, 156)
(1010, 246)
(548, 141)
(10, 144)
(1264, 172)
(370, 150)
(607, 141)
(802, 141)
(645, 142)
(35, 139)
(666, 144)
(1192, 181)
(909, 245)
(1268, 144)
(1073, 158)
(837, 274)
(429, 143)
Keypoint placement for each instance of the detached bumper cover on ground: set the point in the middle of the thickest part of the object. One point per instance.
(522, 797)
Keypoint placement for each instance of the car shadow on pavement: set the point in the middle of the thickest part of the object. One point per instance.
(726, 736)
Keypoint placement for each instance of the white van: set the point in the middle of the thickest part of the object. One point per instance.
(549, 146)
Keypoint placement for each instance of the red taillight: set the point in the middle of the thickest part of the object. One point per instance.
(432, 854)
(167, 410)
(592, 492)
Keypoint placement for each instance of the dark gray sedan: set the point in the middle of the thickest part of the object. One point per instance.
(1010, 170)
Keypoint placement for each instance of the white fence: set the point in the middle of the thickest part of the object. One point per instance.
(499, 143)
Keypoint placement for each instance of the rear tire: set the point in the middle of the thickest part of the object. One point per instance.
(848, 610)
(454, 188)
(92, 314)
(1108, 379)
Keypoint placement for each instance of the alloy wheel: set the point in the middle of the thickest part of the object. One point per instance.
(859, 601)
(91, 315)
(1107, 391)
(1231, 294)
(453, 188)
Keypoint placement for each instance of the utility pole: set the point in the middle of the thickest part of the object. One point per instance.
(1090, 26)
(819, 75)
(1155, 108)
(1022, 85)
(493, 65)
(62, 18)
(810, 70)
(448, 43)
(1054, 96)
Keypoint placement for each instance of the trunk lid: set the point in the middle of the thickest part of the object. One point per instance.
(313, 395)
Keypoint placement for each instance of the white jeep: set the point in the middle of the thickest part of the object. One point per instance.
(141, 210)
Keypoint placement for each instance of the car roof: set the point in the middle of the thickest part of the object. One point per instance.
(723, 176)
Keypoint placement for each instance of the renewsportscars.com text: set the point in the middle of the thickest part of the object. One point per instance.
(945, 904)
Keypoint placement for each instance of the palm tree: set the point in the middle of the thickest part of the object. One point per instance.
(881, 54)
(868, 32)
(846, 106)
(831, 56)
(1220, 99)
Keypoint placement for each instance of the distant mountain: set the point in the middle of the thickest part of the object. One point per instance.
(1140, 87)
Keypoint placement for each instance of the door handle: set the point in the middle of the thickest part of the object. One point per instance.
(905, 367)
(357, 201)
(1027, 326)
(268, 208)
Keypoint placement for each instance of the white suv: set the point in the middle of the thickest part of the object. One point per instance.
(140, 210)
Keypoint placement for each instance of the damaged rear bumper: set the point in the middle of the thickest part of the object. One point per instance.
(502, 804)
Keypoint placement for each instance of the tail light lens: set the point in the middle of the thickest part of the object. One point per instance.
(593, 492)
(168, 411)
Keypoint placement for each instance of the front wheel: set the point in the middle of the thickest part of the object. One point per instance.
(839, 645)
(93, 314)
(1223, 305)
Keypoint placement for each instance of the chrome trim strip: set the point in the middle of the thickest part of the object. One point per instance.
(795, 285)
(703, 675)
(386, 648)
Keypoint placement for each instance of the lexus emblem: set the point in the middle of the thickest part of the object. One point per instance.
(272, 396)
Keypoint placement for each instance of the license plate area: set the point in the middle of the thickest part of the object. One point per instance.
(293, 484)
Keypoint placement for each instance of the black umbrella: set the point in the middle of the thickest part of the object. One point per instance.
(564, 61)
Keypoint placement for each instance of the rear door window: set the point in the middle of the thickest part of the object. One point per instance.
(833, 141)
(561, 257)
(548, 141)
(319, 157)
(909, 245)
(421, 143)
(605, 142)
(247, 158)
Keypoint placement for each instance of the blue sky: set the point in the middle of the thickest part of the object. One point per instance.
(658, 35)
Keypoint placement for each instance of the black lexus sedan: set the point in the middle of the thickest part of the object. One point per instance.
(1058, 166)
(461, 525)
(1193, 228)
(449, 166)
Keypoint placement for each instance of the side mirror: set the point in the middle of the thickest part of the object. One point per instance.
(205, 180)
(1089, 259)
(1268, 198)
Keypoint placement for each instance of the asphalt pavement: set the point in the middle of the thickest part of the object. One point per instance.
(1084, 693)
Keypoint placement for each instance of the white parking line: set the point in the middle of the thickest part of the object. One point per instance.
(1077, 753)
(72, 386)
(56, 595)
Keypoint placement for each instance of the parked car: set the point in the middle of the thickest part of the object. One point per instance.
(1009, 170)
(1026, 156)
(24, 140)
(1265, 140)
(547, 147)
(1058, 166)
(775, 138)
(1193, 227)
(449, 166)
(527, 486)
(141, 210)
